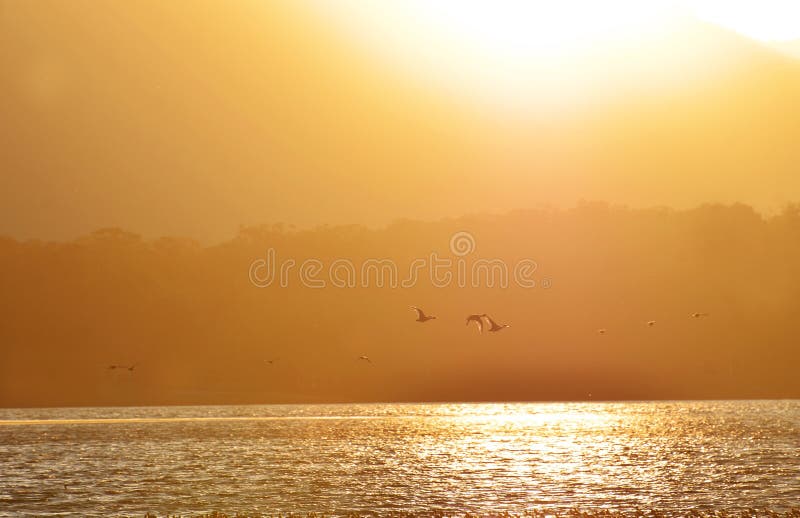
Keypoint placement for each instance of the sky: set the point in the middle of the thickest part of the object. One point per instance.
(496, 48)
(191, 121)
(643, 155)
(771, 20)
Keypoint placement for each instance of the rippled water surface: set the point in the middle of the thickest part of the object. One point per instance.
(668, 456)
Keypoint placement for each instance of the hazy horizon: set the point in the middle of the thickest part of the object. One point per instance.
(153, 150)
(221, 324)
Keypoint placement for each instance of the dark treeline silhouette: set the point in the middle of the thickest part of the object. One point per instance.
(199, 331)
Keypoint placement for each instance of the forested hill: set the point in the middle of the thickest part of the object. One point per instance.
(200, 324)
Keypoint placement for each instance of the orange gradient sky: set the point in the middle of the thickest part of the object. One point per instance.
(643, 155)
(519, 53)
(193, 118)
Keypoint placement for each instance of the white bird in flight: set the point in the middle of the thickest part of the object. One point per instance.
(495, 327)
(478, 319)
(421, 316)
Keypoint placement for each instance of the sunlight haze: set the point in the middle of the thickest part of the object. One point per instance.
(366, 258)
(156, 116)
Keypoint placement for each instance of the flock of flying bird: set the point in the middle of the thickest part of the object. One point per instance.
(495, 327)
(478, 318)
(651, 323)
(124, 367)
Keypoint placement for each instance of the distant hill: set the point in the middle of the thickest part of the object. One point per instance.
(203, 326)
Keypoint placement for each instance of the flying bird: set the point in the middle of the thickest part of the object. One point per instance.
(478, 319)
(651, 323)
(129, 368)
(495, 327)
(421, 316)
(601, 331)
(699, 315)
(365, 358)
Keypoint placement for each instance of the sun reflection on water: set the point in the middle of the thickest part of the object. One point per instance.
(482, 458)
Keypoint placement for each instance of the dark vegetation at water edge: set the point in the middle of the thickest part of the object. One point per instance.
(200, 332)
(540, 513)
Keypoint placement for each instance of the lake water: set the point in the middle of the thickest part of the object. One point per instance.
(455, 458)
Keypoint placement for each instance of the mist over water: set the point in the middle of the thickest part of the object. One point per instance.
(457, 458)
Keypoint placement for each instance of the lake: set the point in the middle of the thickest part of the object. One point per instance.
(421, 458)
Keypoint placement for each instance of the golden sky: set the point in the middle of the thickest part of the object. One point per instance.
(191, 118)
(383, 132)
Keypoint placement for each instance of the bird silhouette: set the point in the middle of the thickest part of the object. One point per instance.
(421, 316)
(126, 367)
(699, 315)
(651, 323)
(494, 326)
(478, 319)
(365, 358)
(601, 331)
